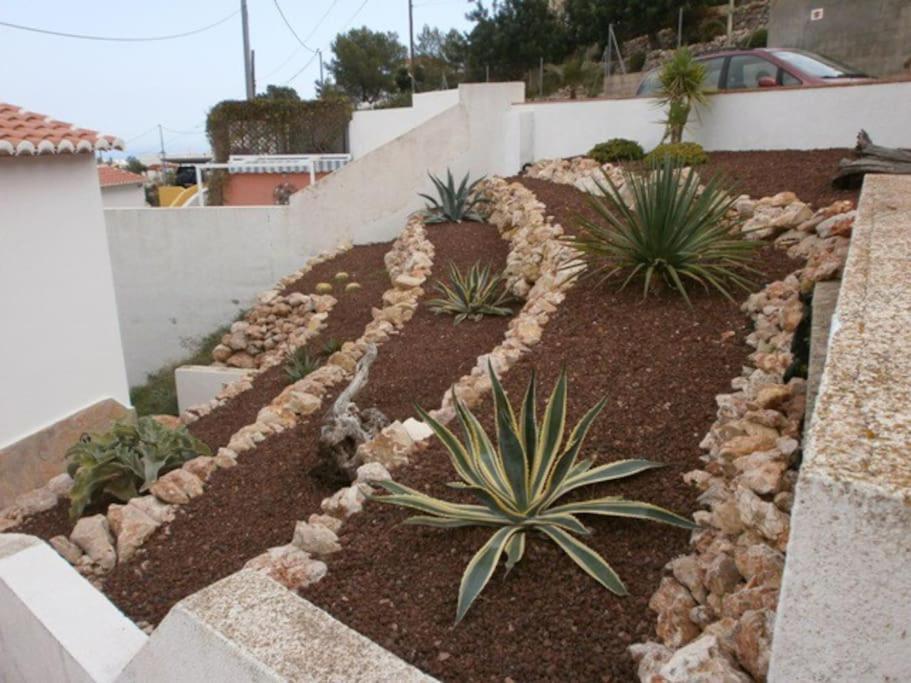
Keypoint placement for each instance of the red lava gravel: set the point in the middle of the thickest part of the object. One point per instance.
(254, 506)
(661, 364)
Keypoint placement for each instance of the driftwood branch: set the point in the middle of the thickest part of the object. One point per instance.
(346, 426)
(871, 158)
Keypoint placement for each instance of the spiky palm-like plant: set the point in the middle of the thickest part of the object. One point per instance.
(682, 89)
(453, 204)
(671, 231)
(519, 482)
(472, 295)
(300, 364)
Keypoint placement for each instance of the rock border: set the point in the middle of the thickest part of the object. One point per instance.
(540, 268)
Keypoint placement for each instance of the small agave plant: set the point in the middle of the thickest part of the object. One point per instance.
(472, 295)
(454, 204)
(519, 482)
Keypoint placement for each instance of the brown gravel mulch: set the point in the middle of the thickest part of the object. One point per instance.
(661, 364)
(254, 506)
(808, 174)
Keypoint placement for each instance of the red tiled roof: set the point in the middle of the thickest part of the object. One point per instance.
(25, 133)
(111, 175)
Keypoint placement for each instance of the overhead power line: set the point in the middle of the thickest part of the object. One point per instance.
(347, 24)
(309, 36)
(290, 27)
(119, 39)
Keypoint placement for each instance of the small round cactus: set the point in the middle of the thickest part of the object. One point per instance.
(341, 276)
(323, 288)
(352, 286)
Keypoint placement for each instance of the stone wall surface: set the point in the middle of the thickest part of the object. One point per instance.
(847, 589)
(871, 35)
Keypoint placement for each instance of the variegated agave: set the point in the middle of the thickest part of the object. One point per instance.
(519, 483)
(473, 295)
(455, 204)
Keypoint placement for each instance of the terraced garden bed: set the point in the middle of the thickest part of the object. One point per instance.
(661, 366)
(254, 506)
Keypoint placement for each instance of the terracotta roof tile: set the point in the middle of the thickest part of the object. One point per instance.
(24, 133)
(111, 175)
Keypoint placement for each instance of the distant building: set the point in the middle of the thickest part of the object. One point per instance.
(871, 35)
(121, 188)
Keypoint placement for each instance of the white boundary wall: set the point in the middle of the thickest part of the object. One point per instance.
(60, 341)
(373, 128)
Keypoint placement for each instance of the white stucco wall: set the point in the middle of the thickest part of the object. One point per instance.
(805, 118)
(370, 129)
(114, 196)
(60, 341)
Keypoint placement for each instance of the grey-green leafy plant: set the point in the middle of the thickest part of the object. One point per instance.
(519, 482)
(454, 204)
(472, 295)
(333, 345)
(126, 460)
(300, 363)
(673, 231)
(682, 90)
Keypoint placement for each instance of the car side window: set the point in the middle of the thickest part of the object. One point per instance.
(785, 78)
(744, 71)
(713, 69)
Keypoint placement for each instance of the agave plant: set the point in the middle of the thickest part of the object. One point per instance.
(299, 364)
(454, 204)
(472, 295)
(333, 345)
(672, 230)
(520, 482)
(126, 460)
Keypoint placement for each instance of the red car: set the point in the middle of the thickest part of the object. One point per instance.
(763, 68)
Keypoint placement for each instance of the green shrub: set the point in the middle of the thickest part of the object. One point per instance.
(299, 364)
(519, 480)
(680, 153)
(454, 204)
(711, 29)
(682, 90)
(616, 149)
(636, 61)
(472, 295)
(126, 460)
(671, 232)
(758, 38)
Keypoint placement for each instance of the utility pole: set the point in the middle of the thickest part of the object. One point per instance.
(731, 11)
(161, 155)
(680, 28)
(411, 42)
(321, 82)
(248, 58)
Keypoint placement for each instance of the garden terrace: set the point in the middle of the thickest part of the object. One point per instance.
(661, 365)
(254, 506)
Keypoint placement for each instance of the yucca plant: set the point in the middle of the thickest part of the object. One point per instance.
(454, 204)
(673, 231)
(682, 90)
(299, 364)
(126, 460)
(472, 295)
(519, 482)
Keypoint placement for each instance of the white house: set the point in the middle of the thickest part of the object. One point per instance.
(120, 188)
(62, 370)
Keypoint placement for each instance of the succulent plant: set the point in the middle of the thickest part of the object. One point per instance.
(472, 295)
(299, 364)
(352, 286)
(454, 204)
(673, 231)
(333, 345)
(519, 481)
(126, 460)
(341, 276)
(323, 288)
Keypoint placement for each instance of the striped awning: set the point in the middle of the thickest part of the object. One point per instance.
(287, 165)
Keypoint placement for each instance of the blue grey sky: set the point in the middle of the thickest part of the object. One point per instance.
(127, 88)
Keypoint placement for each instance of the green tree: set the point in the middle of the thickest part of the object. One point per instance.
(512, 37)
(365, 63)
(578, 72)
(439, 59)
(681, 91)
(279, 92)
(587, 21)
(134, 165)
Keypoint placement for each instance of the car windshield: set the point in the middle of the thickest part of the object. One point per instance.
(817, 66)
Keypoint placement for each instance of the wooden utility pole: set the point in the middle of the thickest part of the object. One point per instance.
(248, 58)
(731, 11)
(411, 42)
